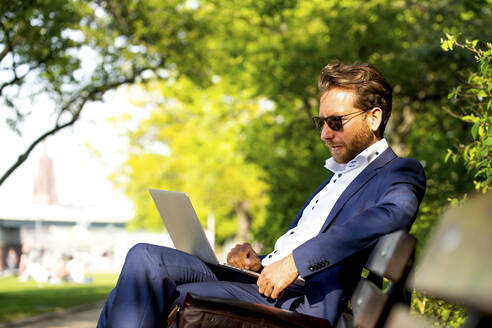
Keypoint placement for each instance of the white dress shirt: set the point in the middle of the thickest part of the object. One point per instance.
(316, 212)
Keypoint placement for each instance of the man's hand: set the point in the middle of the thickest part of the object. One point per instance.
(243, 256)
(277, 276)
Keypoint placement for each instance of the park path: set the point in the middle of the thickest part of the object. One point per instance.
(78, 318)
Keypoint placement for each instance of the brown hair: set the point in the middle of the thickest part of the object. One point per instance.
(369, 84)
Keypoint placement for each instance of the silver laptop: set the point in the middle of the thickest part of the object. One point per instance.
(185, 229)
(187, 233)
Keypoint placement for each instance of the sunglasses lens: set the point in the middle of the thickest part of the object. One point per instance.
(318, 122)
(335, 123)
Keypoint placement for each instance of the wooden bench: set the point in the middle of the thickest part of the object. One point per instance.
(456, 264)
(390, 259)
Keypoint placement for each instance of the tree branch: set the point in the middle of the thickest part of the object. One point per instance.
(307, 108)
(10, 45)
(13, 81)
(17, 78)
(22, 158)
(94, 94)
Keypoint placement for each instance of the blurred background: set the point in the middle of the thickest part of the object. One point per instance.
(102, 100)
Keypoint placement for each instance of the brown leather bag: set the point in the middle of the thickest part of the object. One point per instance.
(198, 311)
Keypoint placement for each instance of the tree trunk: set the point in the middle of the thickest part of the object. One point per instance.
(243, 221)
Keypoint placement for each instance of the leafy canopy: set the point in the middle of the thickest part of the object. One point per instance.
(190, 143)
(473, 101)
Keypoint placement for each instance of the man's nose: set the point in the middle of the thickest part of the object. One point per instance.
(326, 132)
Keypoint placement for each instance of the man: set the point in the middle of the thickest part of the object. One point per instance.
(371, 193)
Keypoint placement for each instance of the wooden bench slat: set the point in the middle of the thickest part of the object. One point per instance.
(368, 303)
(391, 255)
(456, 263)
(346, 320)
(400, 318)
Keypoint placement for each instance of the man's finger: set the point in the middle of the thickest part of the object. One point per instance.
(269, 290)
(276, 292)
(261, 286)
(246, 261)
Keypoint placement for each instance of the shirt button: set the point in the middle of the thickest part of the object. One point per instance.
(339, 174)
(291, 232)
(377, 153)
(334, 180)
(312, 208)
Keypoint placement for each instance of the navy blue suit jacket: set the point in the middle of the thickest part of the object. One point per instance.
(383, 198)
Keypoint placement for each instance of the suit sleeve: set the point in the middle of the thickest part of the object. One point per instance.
(399, 195)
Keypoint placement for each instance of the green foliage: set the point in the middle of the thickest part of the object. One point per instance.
(441, 313)
(190, 143)
(38, 39)
(279, 54)
(274, 51)
(473, 103)
(429, 138)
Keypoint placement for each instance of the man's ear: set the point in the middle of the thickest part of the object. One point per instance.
(374, 119)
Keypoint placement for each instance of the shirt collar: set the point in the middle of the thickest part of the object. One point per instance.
(363, 159)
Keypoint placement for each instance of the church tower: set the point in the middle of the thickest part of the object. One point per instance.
(44, 192)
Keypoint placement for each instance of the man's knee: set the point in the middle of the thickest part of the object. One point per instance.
(138, 250)
(140, 253)
(144, 253)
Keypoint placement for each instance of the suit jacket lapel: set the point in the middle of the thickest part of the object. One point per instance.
(358, 183)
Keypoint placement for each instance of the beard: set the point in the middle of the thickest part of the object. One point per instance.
(363, 139)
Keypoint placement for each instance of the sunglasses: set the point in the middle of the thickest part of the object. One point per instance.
(334, 122)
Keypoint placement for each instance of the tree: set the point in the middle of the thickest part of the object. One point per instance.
(43, 41)
(276, 49)
(189, 143)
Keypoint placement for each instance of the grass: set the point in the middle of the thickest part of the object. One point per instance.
(22, 299)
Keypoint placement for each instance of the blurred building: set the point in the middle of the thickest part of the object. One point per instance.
(47, 224)
(95, 234)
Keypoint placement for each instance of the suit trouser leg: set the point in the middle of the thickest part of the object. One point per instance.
(146, 288)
